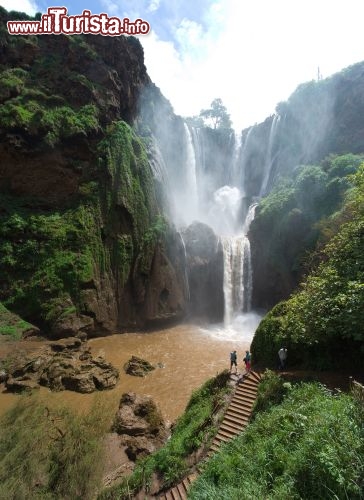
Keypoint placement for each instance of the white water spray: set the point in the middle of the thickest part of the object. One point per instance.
(269, 157)
(191, 178)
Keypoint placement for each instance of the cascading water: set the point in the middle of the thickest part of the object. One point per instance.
(194, 197)
(234, 169)
(269, 156)
(238, 272)
(191, 179)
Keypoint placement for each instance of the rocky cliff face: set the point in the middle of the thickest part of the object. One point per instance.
(205, 267)
(84, 246)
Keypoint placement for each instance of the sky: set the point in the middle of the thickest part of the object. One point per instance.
(250, 53)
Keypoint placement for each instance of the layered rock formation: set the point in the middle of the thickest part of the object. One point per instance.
(84, 245)
(140, 424)
(205, 267)
(64, 364)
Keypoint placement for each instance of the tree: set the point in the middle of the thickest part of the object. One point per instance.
(216, 115)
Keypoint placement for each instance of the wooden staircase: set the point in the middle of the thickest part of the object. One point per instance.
(179, 492)
(235, 420)
(238, 413)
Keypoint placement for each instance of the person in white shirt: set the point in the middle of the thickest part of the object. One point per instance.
(282, 354)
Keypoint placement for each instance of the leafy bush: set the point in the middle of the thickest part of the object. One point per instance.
(310, 446)
(271, 391)
(323, 324)
(293, 219)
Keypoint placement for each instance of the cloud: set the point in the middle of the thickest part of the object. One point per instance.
(153, 6)
(252, 54)
(27, 6)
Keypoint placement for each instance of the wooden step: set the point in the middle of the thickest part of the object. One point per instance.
(186, 484)
(214, 447)
(241, 420)
(220, 437)
(175, 494)
(243, 398)
(239, 412)
(226, 433)
(247, 389)
(182, 492)
(246, 398)
(243, 403)
(256, 376)
(240, 408)
(229, 426)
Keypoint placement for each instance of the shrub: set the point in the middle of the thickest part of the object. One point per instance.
(310, 446)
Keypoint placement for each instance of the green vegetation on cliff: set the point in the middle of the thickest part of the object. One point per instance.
(309, 446)
(77, 196)
(292, 219)
(49, 256)
(12, 325)
(323, 323)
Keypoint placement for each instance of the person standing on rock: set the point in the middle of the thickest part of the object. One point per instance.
(247, 361)
(233, 361)
(282, 354)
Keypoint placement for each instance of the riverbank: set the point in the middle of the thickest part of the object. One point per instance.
(186, 355)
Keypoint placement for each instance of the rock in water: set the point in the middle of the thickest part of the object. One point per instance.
(138, 367)
(66, 364)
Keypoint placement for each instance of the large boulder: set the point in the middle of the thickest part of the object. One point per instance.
(205, 267)
(64, 364)
(138, 367)
(141, 425)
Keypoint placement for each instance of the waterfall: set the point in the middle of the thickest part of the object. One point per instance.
(249, 218)
(238, 276)
(269, 157)
(157, 162)
(243, 156)
(187, 285)
(238, 272)
(191, 178)
(234, 169)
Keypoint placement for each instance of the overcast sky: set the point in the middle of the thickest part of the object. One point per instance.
(252, 54)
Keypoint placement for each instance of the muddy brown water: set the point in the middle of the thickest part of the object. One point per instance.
(187, 355)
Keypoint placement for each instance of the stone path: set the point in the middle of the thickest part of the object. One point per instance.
(236, 418)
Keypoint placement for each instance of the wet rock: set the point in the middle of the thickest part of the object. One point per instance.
(83, 383)
(140, 425)
(138, 367)
(68, 343)
(138, 415)
(66, 364)
(21, 385)
(139, 447)
(205, 268)
(71, 325)
(3, 376)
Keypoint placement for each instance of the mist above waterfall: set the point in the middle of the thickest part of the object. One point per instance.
(224, 210)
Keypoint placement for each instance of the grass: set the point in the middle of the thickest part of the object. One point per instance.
(193, 429)
(271, 391)
(11, 325)
(50, 454)
(311, 446)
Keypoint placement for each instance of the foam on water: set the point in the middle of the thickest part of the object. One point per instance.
(241, 329)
